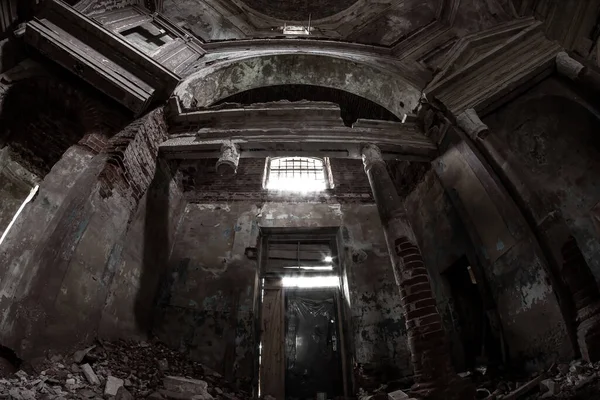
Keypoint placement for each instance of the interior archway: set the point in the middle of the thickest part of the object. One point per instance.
(223, 79)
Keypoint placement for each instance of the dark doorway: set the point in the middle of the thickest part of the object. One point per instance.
(301, 351)
(481, 345)
(312, 345)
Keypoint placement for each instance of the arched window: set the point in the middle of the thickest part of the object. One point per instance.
(298, 174)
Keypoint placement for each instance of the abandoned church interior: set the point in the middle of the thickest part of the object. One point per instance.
(300, 199)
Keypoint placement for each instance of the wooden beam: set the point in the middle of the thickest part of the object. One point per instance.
(107, 42)
(90, 65)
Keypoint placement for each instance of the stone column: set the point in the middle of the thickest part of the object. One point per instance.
(577, 72)
(434, 375)
(230, 158)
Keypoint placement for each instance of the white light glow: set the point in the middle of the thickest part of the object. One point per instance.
(311, 281)
(328, 259)
(298, 184)
(296, 174)
(27, 200)
(317, 268)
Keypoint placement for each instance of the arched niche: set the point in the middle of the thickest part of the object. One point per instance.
(223, 79)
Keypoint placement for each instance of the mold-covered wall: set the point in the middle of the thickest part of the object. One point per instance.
(140, 258)
(205, 305)
(206, 301)
(58, 262)
(521, 282)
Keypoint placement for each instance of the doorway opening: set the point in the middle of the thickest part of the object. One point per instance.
(481, 343)
(301, 350)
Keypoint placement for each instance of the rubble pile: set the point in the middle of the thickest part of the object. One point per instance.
(578, 380)
(122, 370)
(575, 381)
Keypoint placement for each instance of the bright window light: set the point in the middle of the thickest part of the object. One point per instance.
(328, 259)
(315, 268)
(311, 281)
(297, 174)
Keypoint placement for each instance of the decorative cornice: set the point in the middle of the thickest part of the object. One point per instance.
(482, 80)
(280, 128)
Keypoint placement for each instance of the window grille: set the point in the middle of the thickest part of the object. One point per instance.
(297, 174)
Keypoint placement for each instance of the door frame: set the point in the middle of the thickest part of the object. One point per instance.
(342, 304)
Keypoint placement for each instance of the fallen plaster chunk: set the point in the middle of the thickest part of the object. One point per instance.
(397, 395)
(80, 355)
(112, 386)
(185, 385)
(90, 375)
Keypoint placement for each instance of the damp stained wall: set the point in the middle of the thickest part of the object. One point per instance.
(15, 185)
(443, 241)
(205, 305)
(549, 136)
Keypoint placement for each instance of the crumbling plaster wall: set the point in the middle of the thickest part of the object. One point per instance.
(513, 263)
(15, 185)
(549, 135)
(58, 262)
(443, 241)
(206, 302)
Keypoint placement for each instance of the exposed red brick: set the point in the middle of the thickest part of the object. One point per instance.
(131, 157)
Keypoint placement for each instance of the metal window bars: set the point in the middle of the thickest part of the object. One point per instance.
(297, 174)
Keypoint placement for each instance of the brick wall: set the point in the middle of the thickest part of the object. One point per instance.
(132, 154)
(201, 182)
(42, 116)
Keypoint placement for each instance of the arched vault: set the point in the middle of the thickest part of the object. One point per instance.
(358, 75)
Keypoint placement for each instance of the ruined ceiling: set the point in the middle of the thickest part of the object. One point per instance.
(299, 9)
(377, 22)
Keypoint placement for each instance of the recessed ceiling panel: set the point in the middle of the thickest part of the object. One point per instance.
(299, 10)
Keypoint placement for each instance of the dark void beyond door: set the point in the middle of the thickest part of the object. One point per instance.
(312, 344)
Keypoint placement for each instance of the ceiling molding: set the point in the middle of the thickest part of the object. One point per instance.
(475, 46)
(282, 128)
(482, 79)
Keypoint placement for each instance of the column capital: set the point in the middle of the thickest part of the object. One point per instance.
(567, 66)
(230, 158)
(470, 122)
(371, 154)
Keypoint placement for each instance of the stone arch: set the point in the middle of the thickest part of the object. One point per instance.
(356, 75)
(42, 116)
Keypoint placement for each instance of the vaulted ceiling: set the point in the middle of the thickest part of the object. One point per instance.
(378, 22)
(299, 9)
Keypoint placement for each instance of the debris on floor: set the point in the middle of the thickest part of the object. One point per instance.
(120, 370)
(578, 380)
(575, 381)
